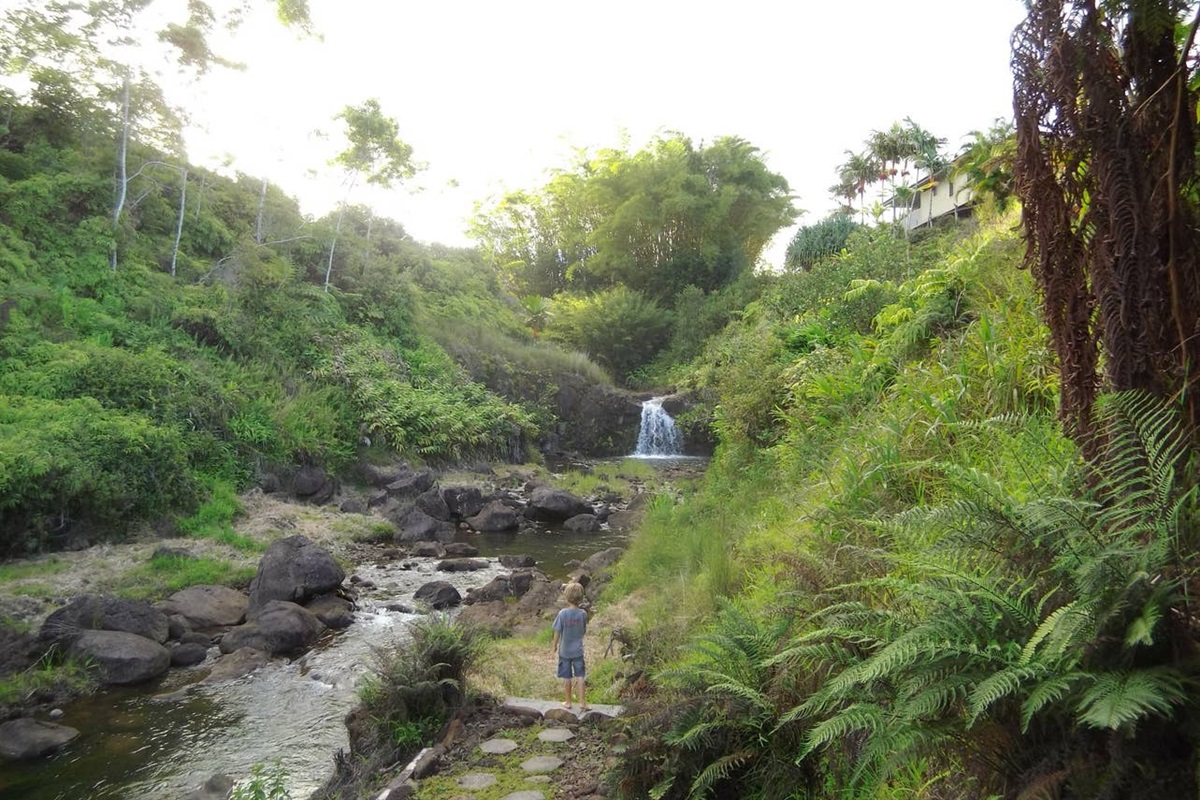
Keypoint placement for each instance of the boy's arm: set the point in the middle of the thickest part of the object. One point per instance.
(554, 644)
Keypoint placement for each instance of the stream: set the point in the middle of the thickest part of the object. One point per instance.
(160, 741)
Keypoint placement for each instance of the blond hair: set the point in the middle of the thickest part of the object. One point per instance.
(573, 593)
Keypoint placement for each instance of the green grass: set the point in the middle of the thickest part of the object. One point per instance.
(618, 477)
(214, 519)
(27, 569)
(45, 675)
(507, 769)
(164, 575)
(34, 590)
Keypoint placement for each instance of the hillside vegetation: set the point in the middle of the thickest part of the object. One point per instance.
(900, 579)
(131, 394)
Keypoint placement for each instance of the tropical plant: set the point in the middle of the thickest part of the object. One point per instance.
(1048, 618)
(814, 242)
(1106, 173)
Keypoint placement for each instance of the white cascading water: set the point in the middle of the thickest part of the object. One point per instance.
(658, 436)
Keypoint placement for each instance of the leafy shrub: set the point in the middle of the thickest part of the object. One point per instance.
(66, 461)
(814, 242)
(619, 328)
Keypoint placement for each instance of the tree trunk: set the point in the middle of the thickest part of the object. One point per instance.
(179, 222)
(122, 171)
(337, 229)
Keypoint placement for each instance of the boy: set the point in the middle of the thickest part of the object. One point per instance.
(569, 627)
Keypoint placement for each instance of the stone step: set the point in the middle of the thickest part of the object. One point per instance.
(530, 705)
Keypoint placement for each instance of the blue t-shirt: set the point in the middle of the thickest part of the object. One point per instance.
(571, 623)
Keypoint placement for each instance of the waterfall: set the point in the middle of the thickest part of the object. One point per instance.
(657, 436)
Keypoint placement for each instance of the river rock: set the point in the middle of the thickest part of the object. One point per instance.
(293, 569)
(517, 561)
(463, 501)
(121, 658)
(412, 484)
(597, 563)
(417, 526)
(218, 787)
(500, 588)
(333, 611)
(313, 485)
(32, 738)
(461, 550)
(582, 523)
(188, 654)
(381, 476)
(236, 664)
(95, 612)
(280, 627)
(207, 607)
(494, 517)
(548, 504)
(461, 565)
(428, 550)
(353, 505)
(431, 503)
(438, 595)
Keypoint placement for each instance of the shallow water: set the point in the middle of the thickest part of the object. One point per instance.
(134, 746)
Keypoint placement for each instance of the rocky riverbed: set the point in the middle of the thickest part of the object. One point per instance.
(505, 598)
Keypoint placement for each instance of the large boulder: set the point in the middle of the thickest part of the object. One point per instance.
(598, 563)
(96, 612)
(438, 595)
(548, 504)
(461, 565)
(432, 503)
(293, 569)
(463, 501)
(494, 517)
(313, 485)
(188, 654)
(380, 476)
(417, 526)
(280, 627)
(334, 612)
(411, 484)
(32, 738)
(583, 523)
(121, 658)
(460, 550)
(501, 587)
(207, 607)
(236, 664)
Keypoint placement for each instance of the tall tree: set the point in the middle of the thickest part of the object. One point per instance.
(1105, 101)
(669, 216)
(375, 152)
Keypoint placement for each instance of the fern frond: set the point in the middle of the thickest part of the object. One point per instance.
(1120, 699)
(995, 688)
(853, 718)
(1048, 691)
(718, 771)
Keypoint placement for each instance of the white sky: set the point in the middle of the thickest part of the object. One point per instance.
(492, 94)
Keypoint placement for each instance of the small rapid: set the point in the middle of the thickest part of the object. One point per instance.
(134, 744)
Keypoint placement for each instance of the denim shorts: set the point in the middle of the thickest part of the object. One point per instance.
(570, 668)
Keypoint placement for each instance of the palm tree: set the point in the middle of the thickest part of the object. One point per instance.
(860, 170)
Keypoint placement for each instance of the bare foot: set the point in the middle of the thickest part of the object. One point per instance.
(566, 705)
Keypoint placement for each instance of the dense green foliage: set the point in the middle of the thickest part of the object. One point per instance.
(132, 394)
(634, 235)
(899, 578)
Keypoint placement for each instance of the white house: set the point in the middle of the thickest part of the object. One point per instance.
(936, 196)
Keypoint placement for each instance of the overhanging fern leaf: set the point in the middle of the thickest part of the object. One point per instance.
(1120, 699)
